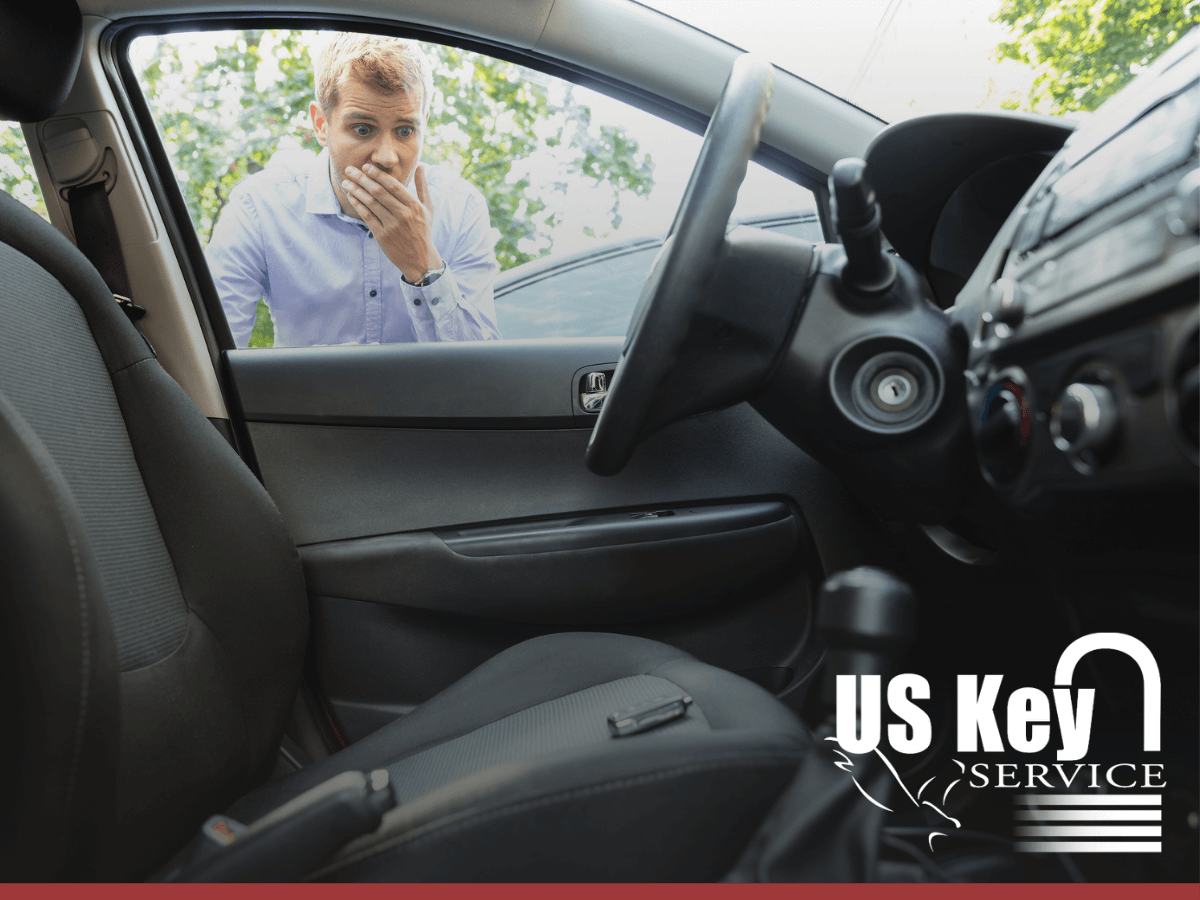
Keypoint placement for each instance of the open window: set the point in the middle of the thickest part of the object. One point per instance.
(569, 194)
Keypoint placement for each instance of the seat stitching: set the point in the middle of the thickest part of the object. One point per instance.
(38, 451)
(467, 819)
(144, 359)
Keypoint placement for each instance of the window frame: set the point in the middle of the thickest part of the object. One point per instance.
(156, 163)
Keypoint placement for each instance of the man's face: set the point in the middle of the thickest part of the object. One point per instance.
(367, 126)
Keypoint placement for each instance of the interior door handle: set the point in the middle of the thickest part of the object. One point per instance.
(595, 389)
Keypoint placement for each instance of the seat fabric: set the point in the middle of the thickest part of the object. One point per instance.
(511, 773)
(197, 577)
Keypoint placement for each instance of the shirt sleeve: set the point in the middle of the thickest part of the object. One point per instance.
(459, 306)
(238, 265)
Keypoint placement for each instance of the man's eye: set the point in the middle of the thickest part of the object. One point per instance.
(405, 130)
(361, 130)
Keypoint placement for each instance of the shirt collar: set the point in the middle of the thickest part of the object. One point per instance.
(319, 197)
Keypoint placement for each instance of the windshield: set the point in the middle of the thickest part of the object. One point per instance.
(902, 58)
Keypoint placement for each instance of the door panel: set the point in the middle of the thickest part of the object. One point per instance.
(338, 482)
(415, 471)
(444, 512)
(487, 384)
(579, 570)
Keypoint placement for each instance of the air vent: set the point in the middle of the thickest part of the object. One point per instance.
(1187, 393)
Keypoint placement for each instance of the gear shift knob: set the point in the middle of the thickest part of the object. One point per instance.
(868, 270)
(867, 609)
(867, 617)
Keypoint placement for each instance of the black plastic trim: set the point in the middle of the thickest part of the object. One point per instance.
(610, 529)
(535, 572)
(473, 384)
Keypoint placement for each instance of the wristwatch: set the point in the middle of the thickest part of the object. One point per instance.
(428, 278)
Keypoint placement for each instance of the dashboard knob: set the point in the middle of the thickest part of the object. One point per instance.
(1006, 302)
(1004, 432)
(1083, 421)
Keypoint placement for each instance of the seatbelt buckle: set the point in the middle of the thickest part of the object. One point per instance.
(132, 310)
(135, 313)
(222, 830)
(650, 714)
(293, 838)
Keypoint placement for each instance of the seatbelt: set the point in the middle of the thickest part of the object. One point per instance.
(96, 237)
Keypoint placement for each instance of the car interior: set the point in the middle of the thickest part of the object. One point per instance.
(571, 609)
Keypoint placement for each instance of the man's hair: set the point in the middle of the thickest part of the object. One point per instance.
(385, 63)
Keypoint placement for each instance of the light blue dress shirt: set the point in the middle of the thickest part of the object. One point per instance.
(283, 237)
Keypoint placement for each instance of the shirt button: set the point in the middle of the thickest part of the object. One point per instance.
(373, 293)
(416, 301)
(433, 302)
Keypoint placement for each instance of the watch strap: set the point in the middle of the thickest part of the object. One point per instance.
(428, 278)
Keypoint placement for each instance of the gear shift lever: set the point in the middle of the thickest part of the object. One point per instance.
(868, 617)
(868, 271)
(823, 829)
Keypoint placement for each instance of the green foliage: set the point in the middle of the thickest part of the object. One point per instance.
(1084, 51)
(517, 137)
(263, 334)
(17, 176)
(223, 117)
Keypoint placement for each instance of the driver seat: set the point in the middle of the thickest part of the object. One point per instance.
(155, 622)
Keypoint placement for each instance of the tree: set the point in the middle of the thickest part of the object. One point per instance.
(509, 134)
(223, 117)
(1084, 51)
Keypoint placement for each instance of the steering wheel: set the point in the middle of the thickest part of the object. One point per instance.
(688, 260)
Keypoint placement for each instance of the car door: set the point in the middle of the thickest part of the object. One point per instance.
(437, 492)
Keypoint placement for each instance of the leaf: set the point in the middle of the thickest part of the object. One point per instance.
(1084, 51)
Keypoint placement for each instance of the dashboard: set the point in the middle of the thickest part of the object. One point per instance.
(1072, 260)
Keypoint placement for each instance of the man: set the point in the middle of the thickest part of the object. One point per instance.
(361, 243)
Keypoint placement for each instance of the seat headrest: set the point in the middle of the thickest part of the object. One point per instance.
(41, 42)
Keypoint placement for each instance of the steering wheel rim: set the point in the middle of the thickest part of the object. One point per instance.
(688, 260)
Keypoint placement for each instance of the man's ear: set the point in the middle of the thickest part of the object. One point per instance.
(319, 123)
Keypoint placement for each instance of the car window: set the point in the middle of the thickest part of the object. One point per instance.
(549, 200)
(17, 176)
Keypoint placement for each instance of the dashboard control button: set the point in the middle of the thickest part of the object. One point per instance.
(1083, 422)
(1004, 432)
(1003, 425)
